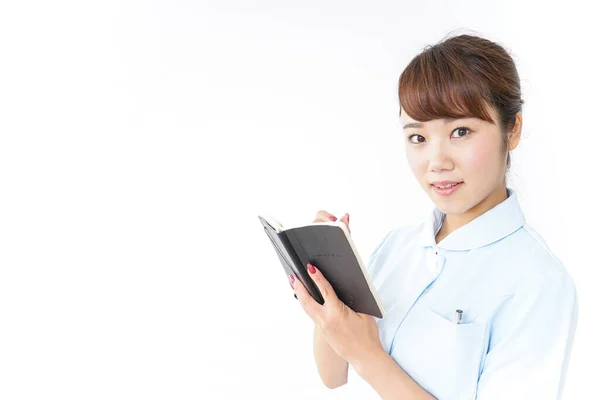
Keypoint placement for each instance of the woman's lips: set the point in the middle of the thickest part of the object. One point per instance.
(447, 191)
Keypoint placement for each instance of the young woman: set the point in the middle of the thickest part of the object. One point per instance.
(477, 305)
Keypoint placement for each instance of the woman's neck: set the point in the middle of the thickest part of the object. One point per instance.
(453, 222)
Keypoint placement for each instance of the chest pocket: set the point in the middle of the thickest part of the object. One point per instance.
(443, 357)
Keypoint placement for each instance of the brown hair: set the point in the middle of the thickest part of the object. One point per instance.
(460, 77)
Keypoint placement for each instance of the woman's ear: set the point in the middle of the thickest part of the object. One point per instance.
(515, 135)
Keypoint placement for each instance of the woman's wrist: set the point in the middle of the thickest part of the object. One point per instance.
(369, 361)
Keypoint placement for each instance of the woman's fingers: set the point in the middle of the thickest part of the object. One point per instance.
(315, 310)
(324, 216)
(346, 220)
(310, 306)
(322, 283)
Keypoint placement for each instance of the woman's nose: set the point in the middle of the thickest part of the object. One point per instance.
(439, 157)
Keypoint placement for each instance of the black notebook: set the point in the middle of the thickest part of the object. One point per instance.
(329, 247)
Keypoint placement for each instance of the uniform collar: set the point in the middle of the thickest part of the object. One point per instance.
(491, 226)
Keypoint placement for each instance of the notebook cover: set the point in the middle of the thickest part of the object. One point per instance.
(328, 248)
(290, 261)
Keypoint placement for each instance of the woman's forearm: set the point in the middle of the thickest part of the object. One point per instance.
(332, 368)
(388, 379)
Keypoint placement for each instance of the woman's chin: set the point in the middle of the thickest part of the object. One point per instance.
(450, 207)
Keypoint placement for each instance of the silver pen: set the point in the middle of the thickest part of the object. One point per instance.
(458, 316)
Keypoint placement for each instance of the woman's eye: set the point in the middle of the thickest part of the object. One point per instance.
(464, 130)
(420, 139)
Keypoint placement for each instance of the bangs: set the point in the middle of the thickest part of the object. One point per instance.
(437, 85)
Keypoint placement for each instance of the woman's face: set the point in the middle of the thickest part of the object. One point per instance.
(467, 151)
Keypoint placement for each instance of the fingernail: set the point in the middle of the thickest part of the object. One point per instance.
(311, 269)
(332, 218)
(291, 280)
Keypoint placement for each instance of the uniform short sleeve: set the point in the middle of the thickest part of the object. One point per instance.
(530, 342)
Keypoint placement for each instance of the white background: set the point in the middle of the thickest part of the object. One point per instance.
(140, 140)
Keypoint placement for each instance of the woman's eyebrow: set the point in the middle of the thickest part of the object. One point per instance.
(420, 125)
(413, 125)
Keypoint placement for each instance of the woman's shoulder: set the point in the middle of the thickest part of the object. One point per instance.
(406, 232)
(399, 236)
(396, 239)
(531, 255)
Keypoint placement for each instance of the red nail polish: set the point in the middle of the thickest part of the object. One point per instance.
(332, 218)
(291, 280)
(311, 269)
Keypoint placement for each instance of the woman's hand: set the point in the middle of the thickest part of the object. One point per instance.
(353, 336)
(324, 216)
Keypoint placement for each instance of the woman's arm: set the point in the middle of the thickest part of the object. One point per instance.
(332, 368)
(388, 379)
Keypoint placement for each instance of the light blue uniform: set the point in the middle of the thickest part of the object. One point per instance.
(519, 307)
